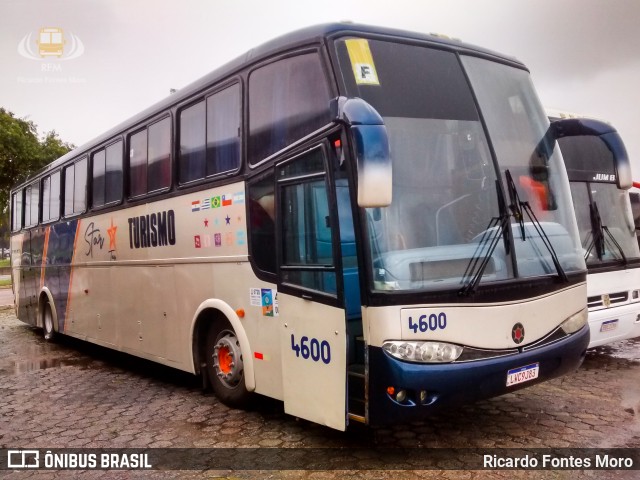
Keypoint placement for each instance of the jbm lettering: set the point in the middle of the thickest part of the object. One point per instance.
(154, 230)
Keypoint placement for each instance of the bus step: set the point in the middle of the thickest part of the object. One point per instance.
(356, 376)
(356, 407)
(359, 349)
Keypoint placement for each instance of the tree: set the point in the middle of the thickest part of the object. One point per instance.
(22, 153)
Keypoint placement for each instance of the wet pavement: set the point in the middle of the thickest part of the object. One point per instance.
(6, 298)
(76, 395)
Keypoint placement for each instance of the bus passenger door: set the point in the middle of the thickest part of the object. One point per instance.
(310, 307)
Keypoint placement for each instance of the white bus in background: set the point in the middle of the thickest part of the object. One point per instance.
(606, 225)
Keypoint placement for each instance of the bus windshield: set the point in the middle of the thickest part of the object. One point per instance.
(611, 205)
(446, 186)
(603, 212)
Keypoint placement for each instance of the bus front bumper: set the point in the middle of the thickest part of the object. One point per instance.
(614, 324)
(429, 387)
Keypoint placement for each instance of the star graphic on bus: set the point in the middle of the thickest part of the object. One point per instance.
(206, 222)
(112, 236)
(228, 220)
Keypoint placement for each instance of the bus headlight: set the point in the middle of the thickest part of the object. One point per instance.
(423, 352)
(575, 322)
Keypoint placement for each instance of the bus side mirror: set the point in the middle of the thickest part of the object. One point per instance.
(371, 143)
(572, 127)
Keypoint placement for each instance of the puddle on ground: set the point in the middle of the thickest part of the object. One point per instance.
(24, 366)
(626, 350)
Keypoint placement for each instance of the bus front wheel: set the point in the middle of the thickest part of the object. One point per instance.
(47, 321)
(225, 367)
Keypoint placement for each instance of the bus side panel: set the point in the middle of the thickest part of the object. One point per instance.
(57, 268)
(146, 310)
(17, 246)
(32, 285)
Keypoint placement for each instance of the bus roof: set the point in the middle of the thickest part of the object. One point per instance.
(314, 35)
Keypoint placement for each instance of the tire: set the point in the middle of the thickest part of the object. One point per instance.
(225, 366)
(47, 323)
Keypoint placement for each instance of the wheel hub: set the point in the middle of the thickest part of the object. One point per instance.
(227, 360)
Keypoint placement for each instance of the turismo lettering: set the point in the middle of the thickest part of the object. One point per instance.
(155, 230)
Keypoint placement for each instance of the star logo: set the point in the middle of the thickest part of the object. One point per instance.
(112, 236)
(206, 222)
(517, 333)
(228, 220)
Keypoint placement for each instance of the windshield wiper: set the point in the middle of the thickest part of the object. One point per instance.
(516, 204)
(598, 235)
(518, 207)
(496, 229)
(478, 262)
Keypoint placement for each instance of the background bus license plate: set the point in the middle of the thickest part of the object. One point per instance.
(609, 325)
(522, 374)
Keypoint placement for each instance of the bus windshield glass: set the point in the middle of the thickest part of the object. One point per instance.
(446, 210)
(615, 223)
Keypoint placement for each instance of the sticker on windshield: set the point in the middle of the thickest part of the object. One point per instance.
(364, 69)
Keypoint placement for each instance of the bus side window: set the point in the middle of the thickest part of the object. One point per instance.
(31, 202)
(262, 227)
(150, 159)
(51, 197)
(223, 131)
(16, 211)
(75, 188)
(307, 247)
(159, 155)
(288, 99)
(107, 175)
(193, 138)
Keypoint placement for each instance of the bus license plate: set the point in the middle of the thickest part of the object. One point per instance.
(522, 374)
(609, 325)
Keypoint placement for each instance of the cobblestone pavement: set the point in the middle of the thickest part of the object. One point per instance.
(73, 394)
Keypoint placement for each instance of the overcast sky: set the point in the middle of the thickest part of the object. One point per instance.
(583, 54)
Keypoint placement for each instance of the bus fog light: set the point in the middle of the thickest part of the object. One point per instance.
(575, 322)
(423, 352)
(423, 396)
(401, 396)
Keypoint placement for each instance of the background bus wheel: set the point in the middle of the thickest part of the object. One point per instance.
(225, 367)
(47, 320)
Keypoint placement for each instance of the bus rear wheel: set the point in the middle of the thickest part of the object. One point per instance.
(225, 366)
(47, 321)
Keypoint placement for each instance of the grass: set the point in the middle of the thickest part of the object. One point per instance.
(5, 283)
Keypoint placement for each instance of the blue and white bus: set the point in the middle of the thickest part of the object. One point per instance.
(597, 165)
(340, 219)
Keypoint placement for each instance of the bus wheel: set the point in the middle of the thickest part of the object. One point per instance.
(47, 320)
(225, 367)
